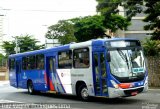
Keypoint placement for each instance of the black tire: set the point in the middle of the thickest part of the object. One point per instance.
(30, 87)
(83, 93)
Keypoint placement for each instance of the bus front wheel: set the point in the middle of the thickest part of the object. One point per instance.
(30, 88)
(83, 93)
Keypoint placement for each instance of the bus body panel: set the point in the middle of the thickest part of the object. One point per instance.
(65, 80)
(12, 78)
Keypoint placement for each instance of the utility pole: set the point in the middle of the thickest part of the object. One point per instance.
(46, 26)
(16, 45)
(17, 48)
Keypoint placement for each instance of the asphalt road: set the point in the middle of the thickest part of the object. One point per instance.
(149, 100)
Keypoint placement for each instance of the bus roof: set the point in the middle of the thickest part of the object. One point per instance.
(70, 46)
(63, 47)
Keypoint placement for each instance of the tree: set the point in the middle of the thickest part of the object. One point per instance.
(89, 27)
(3, 60)
(77, 29)
(109, 9)
(9, 47)
(26, 43)
(132, 7)
(153, 17)
(152, 11)
(63, 31)
(151, 47)
(115, 22)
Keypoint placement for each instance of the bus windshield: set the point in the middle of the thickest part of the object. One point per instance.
(127, 65)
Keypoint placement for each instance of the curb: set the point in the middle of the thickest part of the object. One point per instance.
(154, 89)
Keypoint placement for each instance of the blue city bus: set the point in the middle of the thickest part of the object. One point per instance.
(103, 67)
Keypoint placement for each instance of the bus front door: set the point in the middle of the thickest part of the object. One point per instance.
(51, 70)
(100, 74)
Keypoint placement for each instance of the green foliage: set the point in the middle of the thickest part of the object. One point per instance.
(116, 22)
(1, 56)
(9, 47)
(153, 17)
(3, 60)
(77, 29)
(152, 11)
(109, 9)
(26, 43)
(90, 27)
(63, 31)
(132, 7)
(85, 28)
(151, 47)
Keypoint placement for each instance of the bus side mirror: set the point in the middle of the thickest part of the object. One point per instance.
(108, 57)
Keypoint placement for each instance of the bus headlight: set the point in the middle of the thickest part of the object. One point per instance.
(114, 84)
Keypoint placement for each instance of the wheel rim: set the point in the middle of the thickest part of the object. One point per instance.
(84, 93)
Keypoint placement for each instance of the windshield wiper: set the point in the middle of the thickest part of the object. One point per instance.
(123, 56)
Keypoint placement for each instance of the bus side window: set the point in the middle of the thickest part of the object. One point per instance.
(24, 63)
(28, 64)
(11, 64)
(32, 62)
(65, 59)
(81, 58)
(40, 61)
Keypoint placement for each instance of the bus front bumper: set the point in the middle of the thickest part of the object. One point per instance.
(115, 93)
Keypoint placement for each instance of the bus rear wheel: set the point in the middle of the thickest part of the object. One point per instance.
(83, 93)
(30, 87)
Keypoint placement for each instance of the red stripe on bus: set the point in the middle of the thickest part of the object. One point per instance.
(45, 78)
(51, 85)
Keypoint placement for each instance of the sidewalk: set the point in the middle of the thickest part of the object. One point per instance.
(154, 88)
(3, 83)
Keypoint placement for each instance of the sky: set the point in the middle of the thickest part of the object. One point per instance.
(34, 16)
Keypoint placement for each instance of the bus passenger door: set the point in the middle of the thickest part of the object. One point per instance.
(100, 74)
(18, 72)
(51, 68)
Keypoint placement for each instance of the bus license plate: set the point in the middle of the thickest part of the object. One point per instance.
(134, 93)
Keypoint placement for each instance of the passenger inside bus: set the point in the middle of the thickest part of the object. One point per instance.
(81, 63)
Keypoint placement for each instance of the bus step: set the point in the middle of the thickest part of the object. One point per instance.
(51, 91)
